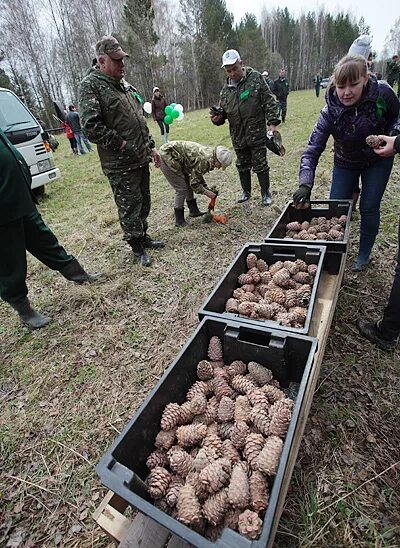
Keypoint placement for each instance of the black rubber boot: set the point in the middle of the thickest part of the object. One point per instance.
(245, 181)
(28, 315)
(371, 331)
(194, 211)
(152, 244)
(139, 253)
(263, 179)
(180, 217)
(74, 272)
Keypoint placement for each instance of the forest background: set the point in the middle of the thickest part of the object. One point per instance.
(47, 46)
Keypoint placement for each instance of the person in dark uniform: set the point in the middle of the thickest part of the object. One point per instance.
(22, 229)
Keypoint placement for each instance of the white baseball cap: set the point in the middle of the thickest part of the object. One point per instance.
(230, 57)
(224, 156)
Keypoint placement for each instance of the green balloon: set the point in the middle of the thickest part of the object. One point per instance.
(168, 119)
(175, 114)
(173, 105)
(168, 109)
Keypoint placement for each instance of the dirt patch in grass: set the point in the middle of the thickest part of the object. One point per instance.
(68, 390)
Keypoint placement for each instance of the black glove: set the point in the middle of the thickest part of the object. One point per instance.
(218, 111)
(302, 195)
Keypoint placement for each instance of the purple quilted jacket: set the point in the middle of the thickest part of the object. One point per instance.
(349, 127)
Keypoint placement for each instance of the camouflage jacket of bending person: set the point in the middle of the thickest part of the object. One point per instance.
(111, 113)
(249, 105)
(191, 160)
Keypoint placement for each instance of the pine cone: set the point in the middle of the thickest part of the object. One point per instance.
(204, 457)
(212, 429)
(205, 370)
(249, 524)
(251, 260)
(265, 277)
(312, 230)
(273, 394)
(171, 416)
(171, 498)
(278, 309)
(322, 235)
(226, 409)
(245, 279)
(373, 141)
(210, 414)
(238, 490)
(237, 367)
(156, 458)
(198, 405)
(198, 388)
(238, 293)
(262, 265)
(158, 482)
(180, 462)
(283, 318)
(291, 299)
(186, 409)
(343, 220)
(252, 448)
(305, 225)
(242, 409)
(258, 398)
(335, 234)
(291, 266)
(277, 295)
(165, 439)
(222, 372)
(242, 385)
(221, 388)
(259, 493)
(255, 274)
(298, 315)
(281, 277)
(249, 288)
(214, 442)
(239, 433)
(274, 268)
(229, 451)
(216, 506)
(268, 459)
(303, 277)
(245, 308)
(189, 511)
(225, 430)
(303, 235)
(232, 518)
(191, 434)
(259, 373)
(260, 418)
(215, 349)
(285, 403)
(304, 294)
(301, 264)
(294, 225)
(231, 306)
(280, 422)
(216, 475)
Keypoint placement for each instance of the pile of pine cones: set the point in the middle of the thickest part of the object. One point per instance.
(319, 228)
(218, 452)
(280, 292)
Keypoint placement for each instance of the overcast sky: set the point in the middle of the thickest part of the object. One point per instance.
(379, 16)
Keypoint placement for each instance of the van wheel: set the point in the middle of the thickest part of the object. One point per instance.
(39, 191)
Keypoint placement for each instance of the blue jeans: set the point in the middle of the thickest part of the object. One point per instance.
(80, 136)
(373, 184)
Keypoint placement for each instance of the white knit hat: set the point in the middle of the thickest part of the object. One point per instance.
(361, 46)
(224, 156)
(156, 89)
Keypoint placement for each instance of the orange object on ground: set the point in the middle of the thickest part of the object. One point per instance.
(222, 219)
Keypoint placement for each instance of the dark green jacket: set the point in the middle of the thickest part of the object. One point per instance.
(281, 89)
(16, 199)
(248, 107)
(110, 114)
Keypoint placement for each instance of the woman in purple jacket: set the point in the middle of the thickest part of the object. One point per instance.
(357, 106)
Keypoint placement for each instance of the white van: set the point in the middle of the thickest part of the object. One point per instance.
(26, 134)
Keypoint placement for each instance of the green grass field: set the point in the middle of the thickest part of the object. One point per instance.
(67, 390)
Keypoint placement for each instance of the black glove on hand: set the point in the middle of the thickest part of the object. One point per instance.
(302, 195)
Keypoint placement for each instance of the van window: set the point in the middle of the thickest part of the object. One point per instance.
(13, 114)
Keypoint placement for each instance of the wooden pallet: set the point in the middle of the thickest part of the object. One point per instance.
(143, 532)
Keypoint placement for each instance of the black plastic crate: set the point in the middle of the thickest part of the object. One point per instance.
(123, 468)
(323, 208)
(271, 252)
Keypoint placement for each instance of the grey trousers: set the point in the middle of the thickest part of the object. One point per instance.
(182, 188)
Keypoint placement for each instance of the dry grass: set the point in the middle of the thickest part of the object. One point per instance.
(67, 390)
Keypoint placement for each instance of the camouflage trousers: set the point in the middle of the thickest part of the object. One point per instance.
(131, 191)
(252, 158)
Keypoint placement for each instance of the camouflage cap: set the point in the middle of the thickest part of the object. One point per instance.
(108, 45)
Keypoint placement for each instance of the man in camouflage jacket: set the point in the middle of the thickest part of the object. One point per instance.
(184, 164)
(112, 117)
(249, 105)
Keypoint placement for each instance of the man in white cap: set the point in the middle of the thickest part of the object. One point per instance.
(248, 104)
(184, 164)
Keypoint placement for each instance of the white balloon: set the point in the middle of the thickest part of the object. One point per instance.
(178, 107)
(180, 117)
(147, 107)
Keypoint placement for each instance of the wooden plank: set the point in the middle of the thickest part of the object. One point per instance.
(113, 523)
(145, 533)
(328, 292)
(176, 542)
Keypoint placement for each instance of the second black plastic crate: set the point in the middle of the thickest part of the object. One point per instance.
(122, 469)
(271, 252)
(323, 208)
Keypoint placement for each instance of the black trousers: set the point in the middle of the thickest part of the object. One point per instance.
(164, 128)
(389, 326)
(28, 233)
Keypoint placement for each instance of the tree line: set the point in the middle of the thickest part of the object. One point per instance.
(47, 46)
